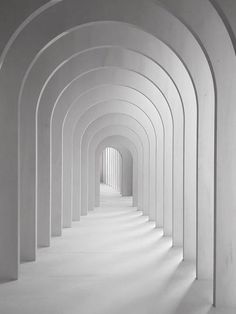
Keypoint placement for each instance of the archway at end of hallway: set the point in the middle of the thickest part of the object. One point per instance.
(116, 171)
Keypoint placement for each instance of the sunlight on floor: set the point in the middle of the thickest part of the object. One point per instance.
(111, 262)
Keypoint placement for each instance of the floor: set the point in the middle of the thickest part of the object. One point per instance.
(111, 262)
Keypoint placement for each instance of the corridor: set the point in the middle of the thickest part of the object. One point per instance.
(113, 261)
(139, 96)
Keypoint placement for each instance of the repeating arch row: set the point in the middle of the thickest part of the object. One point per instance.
(162, 82)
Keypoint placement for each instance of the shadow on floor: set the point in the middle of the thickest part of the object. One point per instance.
(111, 262)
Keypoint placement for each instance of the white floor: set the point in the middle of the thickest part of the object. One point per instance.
(111, 262)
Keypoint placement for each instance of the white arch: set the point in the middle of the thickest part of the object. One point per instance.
(36, 84)
(138, 122)
(153, 13)
(130, 175)
(101, 94)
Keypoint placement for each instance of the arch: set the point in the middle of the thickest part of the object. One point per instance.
(125, 137)
(100, 95)
(129, 173)
(188, 51)
(129, 132)
(66, 103)
(29, 133)
(138, 123)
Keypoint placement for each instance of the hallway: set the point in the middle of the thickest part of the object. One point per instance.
(138, 95)
(113, 261)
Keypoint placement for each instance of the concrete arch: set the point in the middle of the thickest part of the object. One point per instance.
(66, 103)
(128, 137)
(110, 96)
(79, 86)
(111, 167)
(101, 94)
(36, 84)
(129, 156)
(141, 124)
(126, 126)
(117, 178)
(57, 135)
(44, 198)
(135, 140)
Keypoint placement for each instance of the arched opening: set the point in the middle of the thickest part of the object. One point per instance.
(111, 169)
(116, 171)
